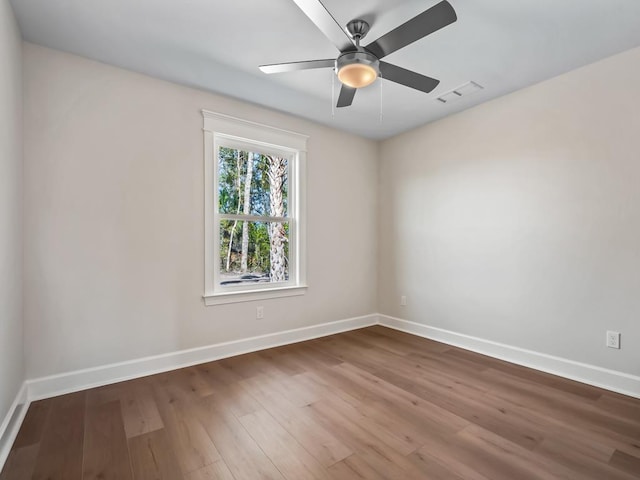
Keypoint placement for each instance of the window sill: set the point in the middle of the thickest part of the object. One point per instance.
(252, 295)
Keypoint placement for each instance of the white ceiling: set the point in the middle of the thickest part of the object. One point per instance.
(217, 45)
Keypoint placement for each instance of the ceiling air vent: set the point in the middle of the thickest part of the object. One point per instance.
(464, 90)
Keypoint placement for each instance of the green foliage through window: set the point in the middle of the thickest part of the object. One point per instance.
(255, 250)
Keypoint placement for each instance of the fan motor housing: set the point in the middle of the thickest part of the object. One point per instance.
(360, 56)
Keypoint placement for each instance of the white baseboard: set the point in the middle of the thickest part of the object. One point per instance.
(53, 385)
(50, 386)
(590, 374)
(12, 422)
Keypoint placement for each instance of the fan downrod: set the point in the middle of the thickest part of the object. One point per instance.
(357, 30)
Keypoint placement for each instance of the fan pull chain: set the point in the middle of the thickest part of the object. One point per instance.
(333, 94)
(380, 97)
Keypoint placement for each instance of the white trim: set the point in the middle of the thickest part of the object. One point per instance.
(253, 131)
(53, 385)
(615, 381)
(253, 295)
(252, 218)
(12, 423)
(46, 387)
(210, 230)
(224, 130)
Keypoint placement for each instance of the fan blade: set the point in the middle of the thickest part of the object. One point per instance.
(325, 22)
(295, 66)
(346, 96)
(427, 22)
(407, 77)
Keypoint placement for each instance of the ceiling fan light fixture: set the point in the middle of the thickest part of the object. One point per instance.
(357, 69)
(357, 75)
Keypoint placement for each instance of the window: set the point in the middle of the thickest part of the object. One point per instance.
(254, 211)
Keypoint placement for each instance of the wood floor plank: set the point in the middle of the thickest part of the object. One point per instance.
(525, 463)
(598, 443)
(215, 471)
(369, 339)
(106, 393)
(170, 388)
(217, 375)
(375, 452)
(61, 447)
(372, 404)
(406, 400)
(625, 407)
(496, 415)
(432, 468)
(191, 382)
(188, 438)
(460, 408)
(241, 454)
(448, 452)
(625, 462)
(315, 357)
(139, 409)
(353, 468)
(451, 394)
(571, 407)
(301, 391)
(410, 429)
(282, 361)
(33, 425)
(198, 382)
(318, 441)
(541, 378)
(577, 459)
(244, 366)
(106, 454)
(293, 461)
(20, 463)
(235, 399)
(152, 457)
(398, 436)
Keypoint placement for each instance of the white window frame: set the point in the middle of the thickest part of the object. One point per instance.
(226, 131)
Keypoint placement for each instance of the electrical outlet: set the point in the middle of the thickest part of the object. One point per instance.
(259, 313)
(403, 301)
(613, 339)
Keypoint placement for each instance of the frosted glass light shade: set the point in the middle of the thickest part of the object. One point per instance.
(357, 75)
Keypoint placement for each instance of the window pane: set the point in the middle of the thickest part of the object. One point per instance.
(270, 186)
(253, 252)
(252, 183)
(231, 168)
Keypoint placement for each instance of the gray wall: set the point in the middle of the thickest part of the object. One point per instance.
(114, 232)
(518, 221)
(11, 344)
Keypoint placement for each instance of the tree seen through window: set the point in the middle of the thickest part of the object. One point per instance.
(254, 236)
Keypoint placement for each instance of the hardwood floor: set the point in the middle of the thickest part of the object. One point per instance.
(369, 404)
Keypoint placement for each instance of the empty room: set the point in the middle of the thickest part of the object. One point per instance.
(319, 239)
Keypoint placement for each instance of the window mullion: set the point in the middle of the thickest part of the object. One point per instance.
(252, 218)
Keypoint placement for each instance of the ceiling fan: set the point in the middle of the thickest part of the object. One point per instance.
(359, 66)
